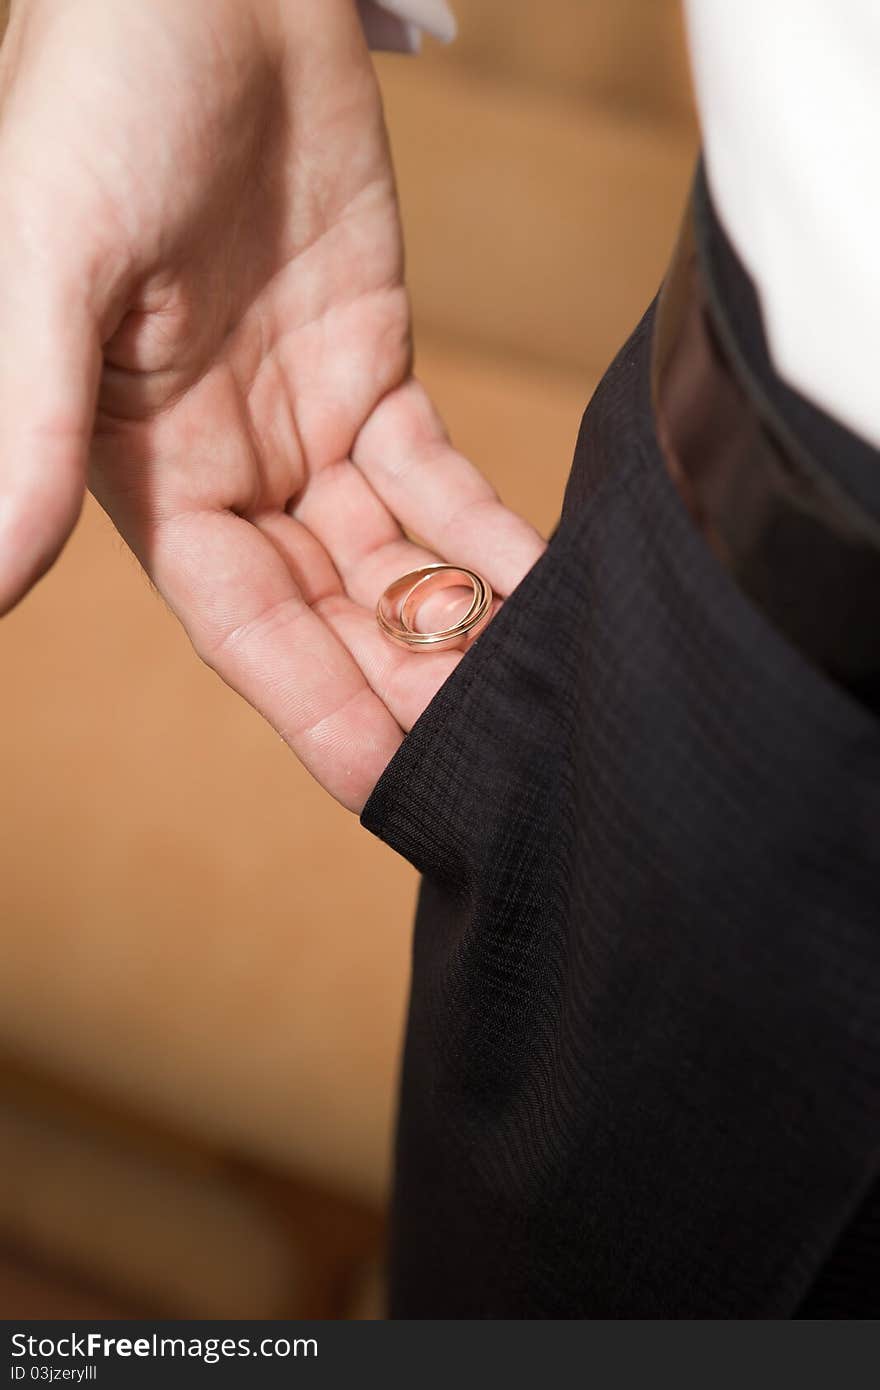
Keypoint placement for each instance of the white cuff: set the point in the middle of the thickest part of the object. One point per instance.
(397, 25)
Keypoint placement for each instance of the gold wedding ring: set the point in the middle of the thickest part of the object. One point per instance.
(397, 608)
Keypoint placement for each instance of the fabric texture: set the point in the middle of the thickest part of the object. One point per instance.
(642, 1069)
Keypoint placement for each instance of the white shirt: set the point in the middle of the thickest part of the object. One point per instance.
(788, 95)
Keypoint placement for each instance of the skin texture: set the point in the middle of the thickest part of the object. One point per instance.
(203, 317)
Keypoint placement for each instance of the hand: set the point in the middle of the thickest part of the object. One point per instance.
(202, 312)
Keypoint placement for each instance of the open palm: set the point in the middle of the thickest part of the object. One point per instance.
(202, 262)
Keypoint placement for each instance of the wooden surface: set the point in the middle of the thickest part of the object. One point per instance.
(189, 928)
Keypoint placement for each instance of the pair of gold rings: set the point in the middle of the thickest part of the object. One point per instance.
(398, 607)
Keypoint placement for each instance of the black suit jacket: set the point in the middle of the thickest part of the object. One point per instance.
(642, 1071)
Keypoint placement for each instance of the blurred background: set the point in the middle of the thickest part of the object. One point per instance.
(203, 960)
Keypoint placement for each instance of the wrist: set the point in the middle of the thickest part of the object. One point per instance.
(309, 26)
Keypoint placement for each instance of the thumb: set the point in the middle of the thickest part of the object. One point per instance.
(49, 369)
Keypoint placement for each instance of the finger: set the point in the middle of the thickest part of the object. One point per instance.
(317, 578)
(404, 681)
(368, 548)
(49, 368)
(438, 495)
(405, 686)
(340, 509)
(249, 621)
(307, 561)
